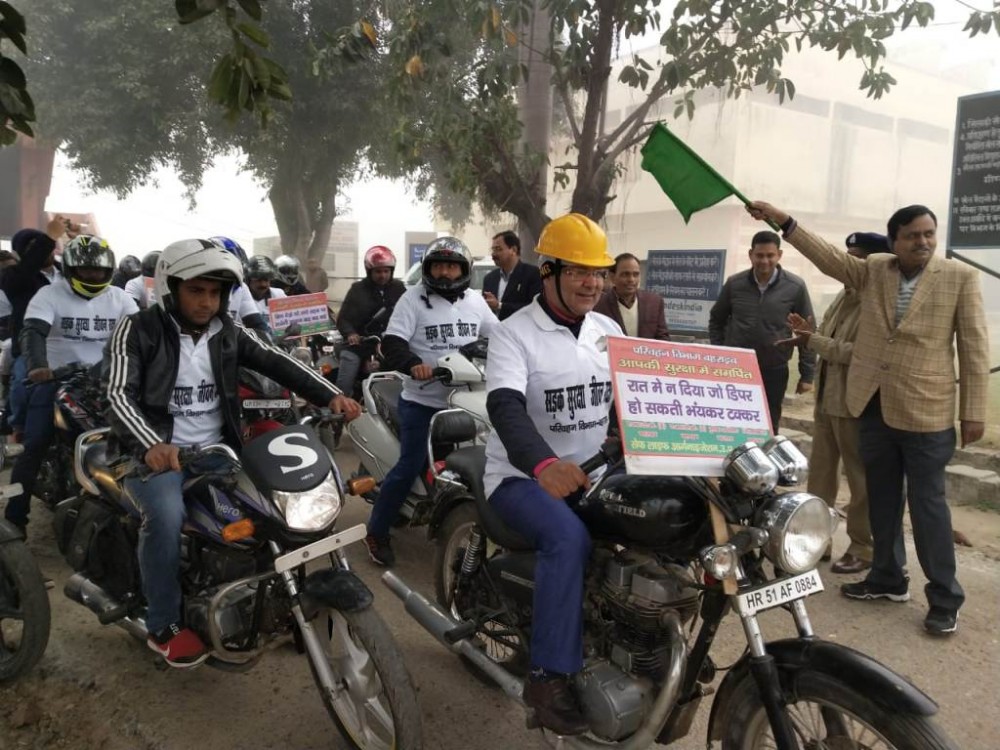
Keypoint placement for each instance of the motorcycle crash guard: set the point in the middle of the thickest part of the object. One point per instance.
(335, 588)
(858, 671)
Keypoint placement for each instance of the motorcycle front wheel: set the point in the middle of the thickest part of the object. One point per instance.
(373, 702)
(829, 715)
(24, 611)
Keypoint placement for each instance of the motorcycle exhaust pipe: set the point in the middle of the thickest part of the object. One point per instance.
(83, 591)
(444, 628)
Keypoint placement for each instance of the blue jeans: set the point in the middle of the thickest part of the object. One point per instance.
(414, 423)
(161, 503)
(39, 430)
(562, 546)
(347, 371)
(18, 398)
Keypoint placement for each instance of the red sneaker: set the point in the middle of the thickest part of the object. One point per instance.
(180, 647)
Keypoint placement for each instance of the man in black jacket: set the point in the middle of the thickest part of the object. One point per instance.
(513, 284)
(36, 268)
(376, 294)
(752, 313)
(172, 374)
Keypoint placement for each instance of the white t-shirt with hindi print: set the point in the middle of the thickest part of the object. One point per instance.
(195, 405)
(79, 327)
(566, 382)
(433, 327)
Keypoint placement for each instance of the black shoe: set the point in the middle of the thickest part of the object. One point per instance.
(941, 621)
(380, 550)
(554, 705)
(867, 590)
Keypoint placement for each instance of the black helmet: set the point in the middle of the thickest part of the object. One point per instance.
(288, 269)
(87, 251)
(447, 250)
(130, 267)
(261, 267)
(149, 264)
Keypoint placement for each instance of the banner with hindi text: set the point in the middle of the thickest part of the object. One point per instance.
(683, 407)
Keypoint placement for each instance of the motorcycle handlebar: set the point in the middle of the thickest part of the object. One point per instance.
(610, 453)
(324, 416)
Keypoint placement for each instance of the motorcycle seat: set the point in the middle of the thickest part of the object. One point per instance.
(470, 464)
(386, 394)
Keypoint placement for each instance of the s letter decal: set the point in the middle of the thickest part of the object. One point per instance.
(282, 446)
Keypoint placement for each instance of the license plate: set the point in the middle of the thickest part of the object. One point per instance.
(778, 593)
(317, 549)
(267, 403)
(327, 350)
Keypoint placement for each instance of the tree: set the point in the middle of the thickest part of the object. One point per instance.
(17, 110)
(455, 69)
(122, 89)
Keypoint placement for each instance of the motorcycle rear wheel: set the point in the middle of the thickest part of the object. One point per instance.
(25, 617)
(374, 705)
(509, 651)
(829, 715)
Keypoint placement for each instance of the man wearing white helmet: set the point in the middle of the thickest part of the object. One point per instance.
(549, 400)
(172, 383)
(288, 279)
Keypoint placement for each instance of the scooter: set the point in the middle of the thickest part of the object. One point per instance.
(375, 433)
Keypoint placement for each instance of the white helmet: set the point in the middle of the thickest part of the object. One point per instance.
(192, 259)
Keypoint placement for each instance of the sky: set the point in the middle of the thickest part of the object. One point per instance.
(231, 204)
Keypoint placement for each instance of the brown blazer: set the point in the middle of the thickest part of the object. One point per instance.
(652, 319)
(834, 343)
(912, 366)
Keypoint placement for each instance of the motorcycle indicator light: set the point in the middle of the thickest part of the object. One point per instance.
(237, 530)
(719, 560)
(360, 485)
(325, 369)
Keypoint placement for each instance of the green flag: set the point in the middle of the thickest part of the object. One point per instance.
(686, 179)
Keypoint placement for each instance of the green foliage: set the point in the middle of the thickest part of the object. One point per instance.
(17, 110)
(454, 66)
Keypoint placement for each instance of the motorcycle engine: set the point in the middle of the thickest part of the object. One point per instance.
(233, 617)
(636, 593)
(614, 703)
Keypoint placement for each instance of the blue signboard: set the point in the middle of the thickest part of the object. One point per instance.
(689, 281)
(416, 251)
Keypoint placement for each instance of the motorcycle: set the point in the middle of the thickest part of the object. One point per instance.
(248, 539)
(668, 551)
(80, 403)
(24, 603)
(375, 433)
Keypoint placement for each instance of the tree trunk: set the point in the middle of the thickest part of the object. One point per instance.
(535, 104)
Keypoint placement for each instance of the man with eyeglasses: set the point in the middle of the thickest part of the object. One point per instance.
(752, 312)
(549, 400)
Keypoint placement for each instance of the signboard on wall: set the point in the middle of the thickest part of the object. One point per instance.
(690, 282)
(974, 220)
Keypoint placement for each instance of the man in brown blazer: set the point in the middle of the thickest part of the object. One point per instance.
(917, 310)
(835, 431)
(638, 312)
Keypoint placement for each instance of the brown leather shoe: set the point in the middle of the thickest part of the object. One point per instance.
(849, 564)
(555, 706)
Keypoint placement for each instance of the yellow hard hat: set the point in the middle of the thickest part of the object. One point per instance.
(576, 239)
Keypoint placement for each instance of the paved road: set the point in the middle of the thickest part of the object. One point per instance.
(96, 687)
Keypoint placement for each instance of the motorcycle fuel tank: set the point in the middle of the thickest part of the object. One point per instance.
(662, 514)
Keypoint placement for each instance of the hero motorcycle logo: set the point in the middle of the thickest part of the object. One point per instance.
(282, 447)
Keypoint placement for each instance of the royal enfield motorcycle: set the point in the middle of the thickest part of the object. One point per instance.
(262, 563)
(375, 433)
(24, 602)
(669, 551)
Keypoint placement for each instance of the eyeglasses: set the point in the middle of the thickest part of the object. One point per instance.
(579, 273)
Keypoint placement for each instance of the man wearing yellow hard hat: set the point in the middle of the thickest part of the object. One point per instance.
(549, 400)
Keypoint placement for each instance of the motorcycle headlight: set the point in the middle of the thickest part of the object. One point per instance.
(799, 527)
(310, 510)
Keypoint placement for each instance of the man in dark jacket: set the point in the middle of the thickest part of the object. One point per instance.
(172, 374)
(638, 312)
(513, 284)
(752, 313)
(376, 294)
(36, 268)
